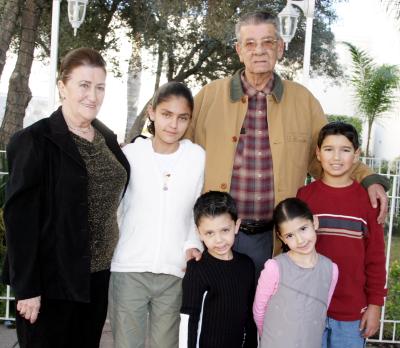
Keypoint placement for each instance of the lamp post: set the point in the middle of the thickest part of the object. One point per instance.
(76, 13)
(76, 16)
(288, 18)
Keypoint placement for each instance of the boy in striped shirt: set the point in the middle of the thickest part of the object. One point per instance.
(350, 236)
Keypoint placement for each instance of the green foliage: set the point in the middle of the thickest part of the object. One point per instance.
(355, 121)
(393, 299)
(98, 30)
(374, 85)
(197, 37)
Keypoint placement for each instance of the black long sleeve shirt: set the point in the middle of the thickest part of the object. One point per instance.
(218, 297)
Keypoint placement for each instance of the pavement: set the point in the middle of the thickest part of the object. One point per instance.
(8, 337)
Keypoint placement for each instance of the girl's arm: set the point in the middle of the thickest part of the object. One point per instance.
(267, 286)
(193, 241)
(335, 276)
(193, 298)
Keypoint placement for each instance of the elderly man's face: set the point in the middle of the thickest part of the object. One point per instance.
(259, 48)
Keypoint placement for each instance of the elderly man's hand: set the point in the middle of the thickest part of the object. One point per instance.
(29, 308)
(377, 193)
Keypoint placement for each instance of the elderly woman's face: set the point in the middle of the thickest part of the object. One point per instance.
(83, 93)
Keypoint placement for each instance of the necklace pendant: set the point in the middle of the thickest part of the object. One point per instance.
(166, 176)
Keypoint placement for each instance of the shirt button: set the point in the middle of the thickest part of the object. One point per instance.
(244, 99)
(258, 198)
(224, 186)
(260, 132)
(234, 138)
(259, 175)
(259, 153)
(259, 112)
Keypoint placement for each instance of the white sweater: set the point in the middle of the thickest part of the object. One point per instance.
(156, 225)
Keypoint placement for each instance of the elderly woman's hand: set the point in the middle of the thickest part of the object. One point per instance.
(29, 308)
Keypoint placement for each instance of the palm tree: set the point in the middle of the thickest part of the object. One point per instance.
(375, 86)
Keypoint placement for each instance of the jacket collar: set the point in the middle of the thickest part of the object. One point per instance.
(59, 134)
(237, 90)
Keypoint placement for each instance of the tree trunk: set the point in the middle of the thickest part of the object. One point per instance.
(19, 93)
(159, 67)
(133, 86)
(370, 122)
(8, 23)
(140, 120)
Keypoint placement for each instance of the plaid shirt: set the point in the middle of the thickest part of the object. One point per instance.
(252, 183)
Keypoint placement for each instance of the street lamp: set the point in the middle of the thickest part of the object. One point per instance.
(76, 15)
(288, 19)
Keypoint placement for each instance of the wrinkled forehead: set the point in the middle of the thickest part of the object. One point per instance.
(257, 31)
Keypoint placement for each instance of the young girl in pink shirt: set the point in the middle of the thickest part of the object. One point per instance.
(295, 288)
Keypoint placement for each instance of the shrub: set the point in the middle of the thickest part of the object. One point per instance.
(392, 311)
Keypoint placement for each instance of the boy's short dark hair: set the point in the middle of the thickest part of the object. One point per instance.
(214, 203)
(339, 128)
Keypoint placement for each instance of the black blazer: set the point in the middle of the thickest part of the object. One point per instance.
(46, 211)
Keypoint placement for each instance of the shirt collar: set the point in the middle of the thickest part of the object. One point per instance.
(250, 91)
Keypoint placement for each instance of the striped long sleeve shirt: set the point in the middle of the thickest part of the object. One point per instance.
(350, 236)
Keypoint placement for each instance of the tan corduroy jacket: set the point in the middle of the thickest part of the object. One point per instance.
(294, 116)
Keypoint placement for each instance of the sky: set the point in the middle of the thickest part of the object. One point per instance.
(364, 23)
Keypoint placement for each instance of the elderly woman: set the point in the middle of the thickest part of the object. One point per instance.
(67, 177)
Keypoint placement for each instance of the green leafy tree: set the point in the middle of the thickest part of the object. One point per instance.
(34, 32)
(194, 40)
(374, 85)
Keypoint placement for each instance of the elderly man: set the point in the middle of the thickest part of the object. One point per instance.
(259, 133)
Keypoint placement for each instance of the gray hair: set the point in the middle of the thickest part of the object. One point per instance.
(258, 17)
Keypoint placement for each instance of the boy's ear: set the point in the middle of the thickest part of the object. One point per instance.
(357, 155)
(315, 222)
(317, 152)
(200, 236)
(237, 225)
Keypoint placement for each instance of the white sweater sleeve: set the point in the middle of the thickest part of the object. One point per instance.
(193, 240)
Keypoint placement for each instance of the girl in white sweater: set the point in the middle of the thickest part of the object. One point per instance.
(157, 231)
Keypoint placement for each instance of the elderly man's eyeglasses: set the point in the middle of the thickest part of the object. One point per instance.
(266, 44)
